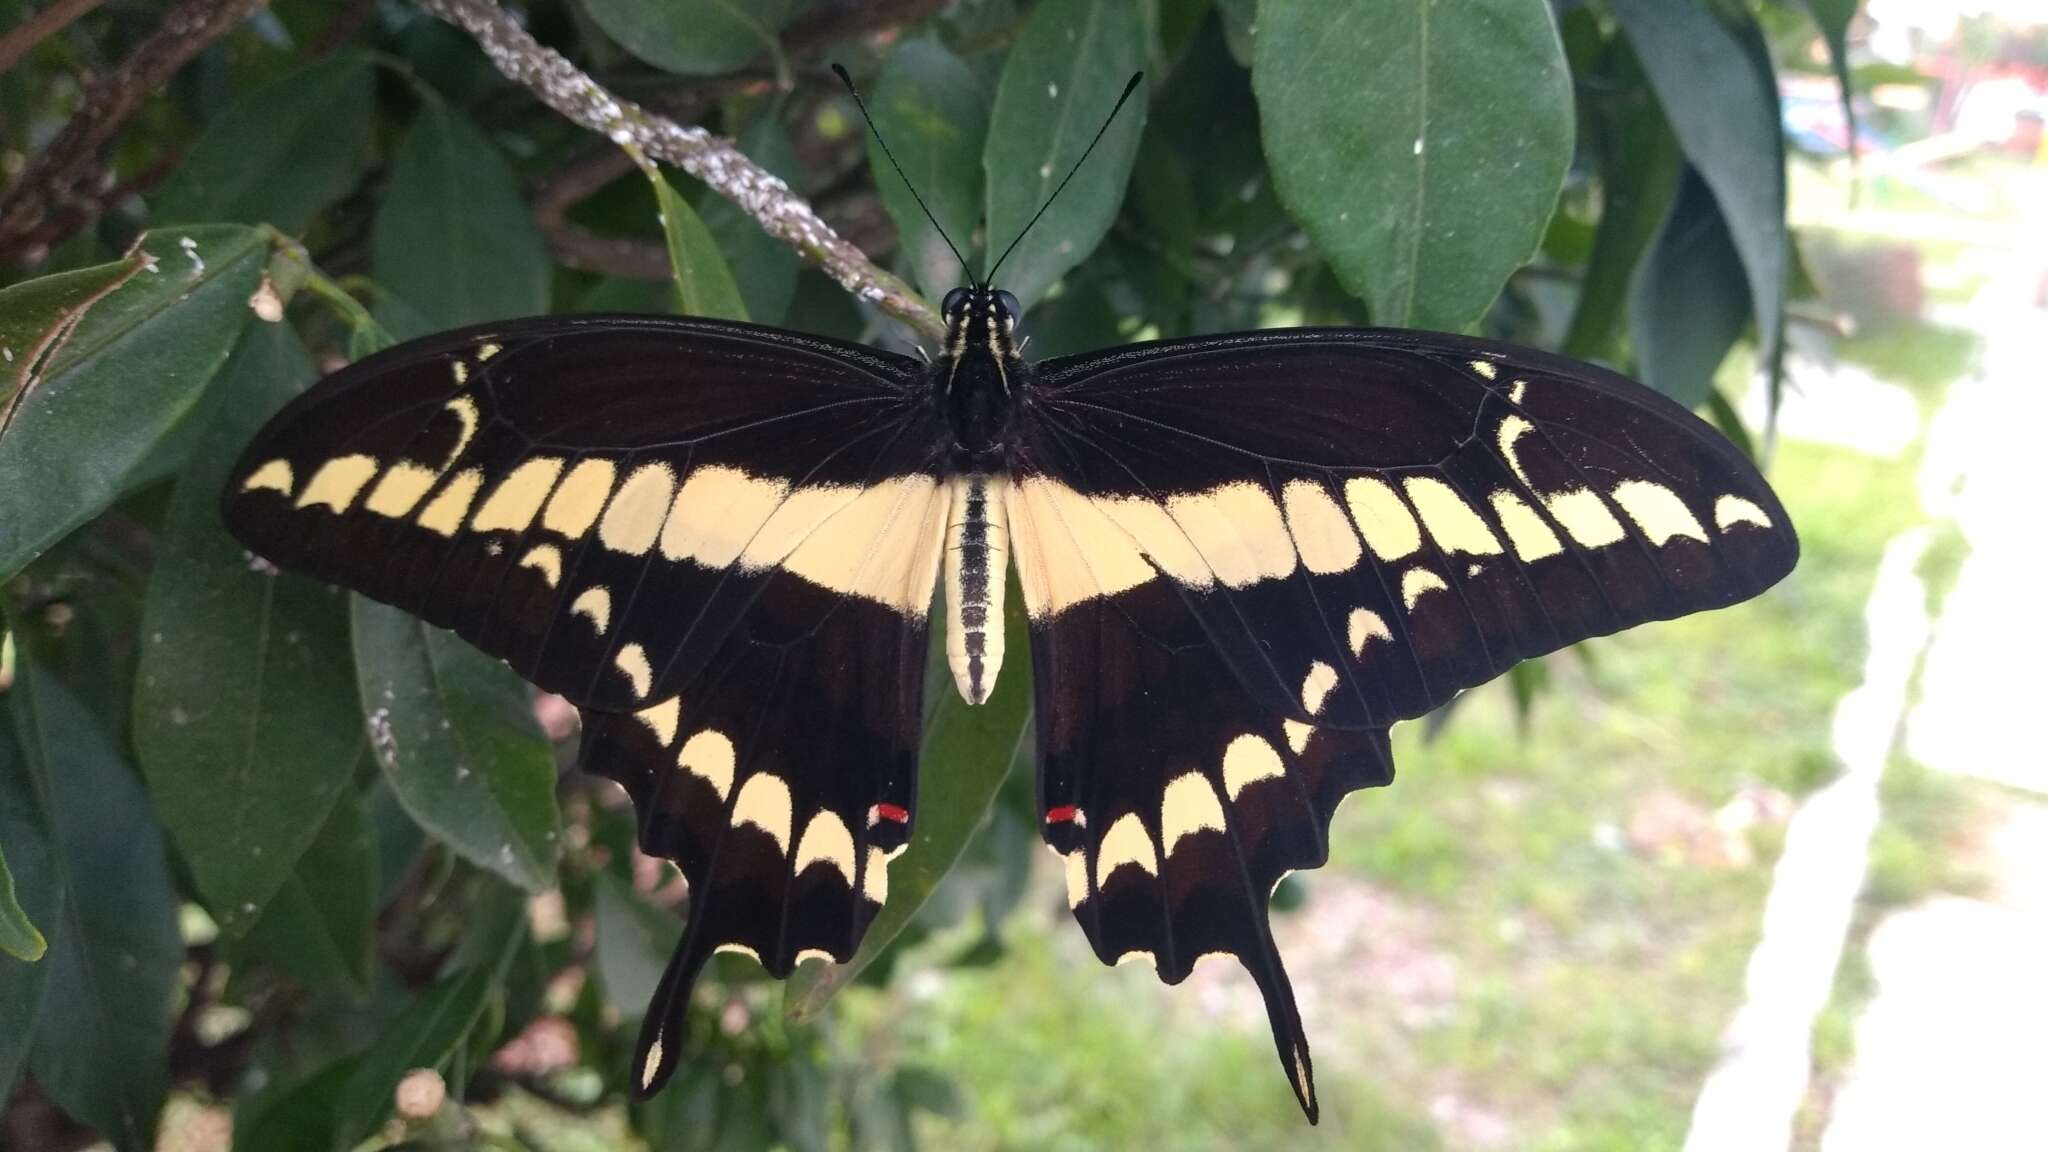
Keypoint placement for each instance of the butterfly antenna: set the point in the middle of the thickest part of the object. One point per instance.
(863, 106)
(1099, 132)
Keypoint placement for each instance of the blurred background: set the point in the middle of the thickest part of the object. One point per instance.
(1772, 877)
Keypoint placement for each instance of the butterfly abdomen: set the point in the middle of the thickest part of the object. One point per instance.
(977, 559)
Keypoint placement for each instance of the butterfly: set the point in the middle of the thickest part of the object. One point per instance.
(1243, 558)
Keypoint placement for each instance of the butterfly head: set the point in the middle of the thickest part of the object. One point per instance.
(980, 319)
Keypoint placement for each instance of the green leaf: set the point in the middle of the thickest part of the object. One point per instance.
(25, 830)
(320, 925)
(1639, 163)
(1166, 200)
(934, 109)
(1690, 300)
(1062, 77)
(1421, 145)
(425, 1036)
(693, 37)
(764, 268)
(1834, 16)
(453, 238)
(304, 1115)
(93, 651)
(1206, 110)
(114, 952)
(36, 316)
(245, 714)
(1716, 85)
(399, 839)
(281, 153)
(454, 733)
(1721, 412)
(1080, 319)
(136, 360)
(704, 284)
(634, 940)
(620, 295)
(18, 935)
(1240, 20)
(968, 752)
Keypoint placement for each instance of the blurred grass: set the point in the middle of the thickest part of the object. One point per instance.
(1057, 1052)
(1919, 356)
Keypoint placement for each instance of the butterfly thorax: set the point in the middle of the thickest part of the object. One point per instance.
(976, 377)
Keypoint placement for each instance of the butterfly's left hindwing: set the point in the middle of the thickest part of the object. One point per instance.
(1245, 558)
(718, 541)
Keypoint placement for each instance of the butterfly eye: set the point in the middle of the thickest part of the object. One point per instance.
(953, 301)
(1008, 305)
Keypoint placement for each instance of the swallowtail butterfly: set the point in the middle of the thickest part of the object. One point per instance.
(1243, 559)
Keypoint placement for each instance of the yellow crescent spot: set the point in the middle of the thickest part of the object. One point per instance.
(594, 603)
(1416, 581)
(632, 660)
(337, 482)
(1077, 878)
(764, 802)
(1316, 686)
(466, 411)
(1126, 842)
(826, 840)
(1365, 624)
(662, 718)
(1297, 735)
(275, 475)
(1247, 760)
(545, 559)
(1658, 511)
(1732, 510)
(1188, 807)
(709, 757)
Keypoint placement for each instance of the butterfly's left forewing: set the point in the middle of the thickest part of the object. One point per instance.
(719, 542)
(1245, 558)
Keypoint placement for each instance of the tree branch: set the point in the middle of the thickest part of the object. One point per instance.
(711, 159)
(40, 27)
(58, 180)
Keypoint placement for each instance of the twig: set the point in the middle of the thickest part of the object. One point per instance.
(87, 207)
(830, 23)
(340, 30)
(624, 257)
(57, 179)
(587, 173)
(40, 27)
(711, 159)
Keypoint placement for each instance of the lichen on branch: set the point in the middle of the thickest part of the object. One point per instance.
(780, 211)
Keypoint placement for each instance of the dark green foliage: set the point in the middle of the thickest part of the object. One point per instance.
(103, 1016)
(1427, 177)
(353, 810)
(454, 734)
(244, 721)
